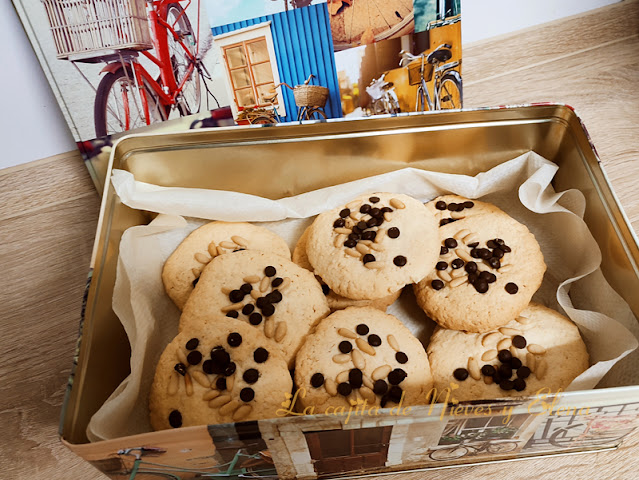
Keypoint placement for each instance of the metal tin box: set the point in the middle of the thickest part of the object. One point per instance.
(287, 160)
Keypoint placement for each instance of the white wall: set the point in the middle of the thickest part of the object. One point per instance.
(32, 126)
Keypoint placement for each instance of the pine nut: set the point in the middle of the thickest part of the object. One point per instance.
(269, 328)
(188, 384)
(381, 372)
(367, 382)
(242, 412)
(339, 241)
(536, 349)
(505, 268)
(181, 357)
(264, 284)
(531, 361)
(462, 233)
(444, 275)
(489, 355)
(458, 281)
(388, 217)
(374, 265)
(227, 244)
(285, 283)
(392, 341)
(458, 273)
(344, 332)
(342, 377)
(219, 401)
(464, 255)
(368, 394)
(365, 346)
(196, 272)
(242, 242)
(363, 249)
(397, 203)
(489, 338)
(220, 250)
(251, 279)
(542, 366)
(202, 258)
(212, 248)
(509, 331)
(229, 407)
(358, 359)
(230, 381)
(457, 215)
(376, 247)
(504, 344)
(210, 395)
(234, 306)
(255, 294)
(352, 252)
(473, 368)
(472, 238)
(200, 378)
(354, 205)
(330, 386)
(280, 331)
(381, 233)
(344, 231)
(341, 358)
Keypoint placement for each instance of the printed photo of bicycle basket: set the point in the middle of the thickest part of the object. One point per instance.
(310, 95)
(86, 29)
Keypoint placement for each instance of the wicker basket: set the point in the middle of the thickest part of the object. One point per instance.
(310, 95)
(87, 28)
(414, 75)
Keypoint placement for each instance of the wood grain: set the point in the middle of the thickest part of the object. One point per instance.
(48, 215)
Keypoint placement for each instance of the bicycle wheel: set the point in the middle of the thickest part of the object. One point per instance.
(453, 453)
(189, 99)
(314, 114)
(379, 107)
(450, 92)
(118, 105)
(503, 447)
(394, 104)
(420, 101)
(262, 120)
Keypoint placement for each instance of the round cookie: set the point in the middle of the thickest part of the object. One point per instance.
(450, 208)
(539, 349)
(489, 267)
(374, 245)
(280, 299)
(218, 373)
(335, 301)
(361, 353)
(182, 269)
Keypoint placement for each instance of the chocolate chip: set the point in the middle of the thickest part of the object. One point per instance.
(499, 241)
(362, 226)
(484, 253)
(180, 368)
(248, 309)
(473, 245)
(255, 318)
(375, 212)
(519, 384)
(368, 258)
(492, 244)
(374, 340)
(317, 380)
(372, 222)
(207, 366)
(506, 384)
(511, 288)
(194, 357)
(450, 242)
(350, 243)
(523, 372)
(470, 267)
(441, 205)
(365, 208)
(175, 419)
(505, 371)
(393, 232)
(261, 302)
(277, 282)
(489, 277)
(326, 289)
(437, 284)
(251, 375)
(234, 339)
(268, 310)
(230, 369)
(373, 199)
(345, 213)
(395, 394)
(275, 296)
(220, 356)
(401, 357)
(468, 204)
(232, 314)
(236, 296)
(460, 374)
(355, 378)
(446, 221)
(220, 383)
(369, 235)
(498, 253)
(494, 263)
(246, 288)
(441, 266)
(344, 389)
(488, 370)
(480, 285)
(515, 363)
(387, 209)
(356, 231)
(453, 207)
(398, 375)
(504, 356)
(247, 394)
(380, 387)
(270, 271)
(192, 344)
(472, 278)
(260, 355)
(519, 341)
(345, 346)
(443, 250)
(400, 260)
(339, 223)
(457, 263)
(362, 329)
(505, 248)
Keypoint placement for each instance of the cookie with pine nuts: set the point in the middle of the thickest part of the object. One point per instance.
(374, 245)
(450, 208)
(539, 349)
(361, 353)
(335, 301)
(217, 373)
(183, 267)
(489, 268)
(280, 299)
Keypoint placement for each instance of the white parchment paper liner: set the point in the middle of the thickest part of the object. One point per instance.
(573, 283)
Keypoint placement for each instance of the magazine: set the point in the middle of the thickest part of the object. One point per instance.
(122, 66)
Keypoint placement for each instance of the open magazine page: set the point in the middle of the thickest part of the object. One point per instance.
(122, 66)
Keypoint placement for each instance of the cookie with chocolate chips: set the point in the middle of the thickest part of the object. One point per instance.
(182, 269)
(374, 245)
(539, 349)
(278, 298)
(361, 353)
(451, 208)
(488, 269)
(335, 301)
(217, 373)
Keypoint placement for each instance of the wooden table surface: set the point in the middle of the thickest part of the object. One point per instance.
(49, 211)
